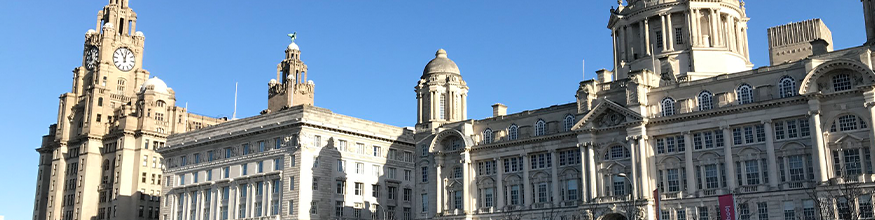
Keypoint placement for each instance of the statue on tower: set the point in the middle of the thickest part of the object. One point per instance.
(293, 36)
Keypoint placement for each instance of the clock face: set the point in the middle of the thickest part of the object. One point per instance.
(124, 59)
(91, 58)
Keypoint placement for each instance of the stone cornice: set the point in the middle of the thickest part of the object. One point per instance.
(537, 139)
(726, 110)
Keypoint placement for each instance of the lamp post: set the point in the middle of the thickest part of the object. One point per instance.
(628, 180)
(632, 206)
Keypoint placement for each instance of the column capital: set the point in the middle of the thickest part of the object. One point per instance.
(686, 132)
(869, 104)
(633, 137)
(767, 121)
(724, 127)
(813, 112)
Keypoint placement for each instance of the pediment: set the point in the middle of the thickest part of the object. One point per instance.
(607, 114)
(848, 138)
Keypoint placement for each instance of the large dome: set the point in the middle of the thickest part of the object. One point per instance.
(154, 84)
(440, 64)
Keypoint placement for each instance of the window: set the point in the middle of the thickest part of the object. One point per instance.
(847, 123)
(512, 132)
(540, 128)
(360, 148)
(790, 211)
(457, 172)
(317, 140)
(341, 187)
(277, 164)
(679, 39)
(865, 204)
(486, 167)
(787, 87)
(260, 166)
(571, 187)
(315, 183)
(360, 168)
(569, 122)
(359, 188)
(743, 211)
(457, 200)
(705, 100)
(619, 186)
(246, 149)
(209, 175)
(244, 169)
(489, 197)
(392, 193)
(338, 208)
(841, 82)
(392, 173)
(659, 39)
(378, 152)
(228, 152)
(277, 143)
(407, 194)
(567, 157)
(424, 174)
(340, 165)
(711, 176)
(752, 171)
(541, 160)
(100, 101)
(487, 136)
(424, 198)
(673, 180)
(442, 109)
(667, 107)
(291, 183)
(341, 145)
(619, 152)
(852, 162)
(226, 172)
(744, 94)
(375, 191)
(408, 175)
(763, 210)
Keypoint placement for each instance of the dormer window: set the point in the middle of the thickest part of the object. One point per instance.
(705, 101)
(487, 136)
(512, 132)
(667, 107)
(540, 128)
(569, 122)
(787, 87)
(744, 94)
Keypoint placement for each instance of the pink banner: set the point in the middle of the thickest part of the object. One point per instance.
(727, 207)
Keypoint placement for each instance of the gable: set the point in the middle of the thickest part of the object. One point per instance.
(607, 114)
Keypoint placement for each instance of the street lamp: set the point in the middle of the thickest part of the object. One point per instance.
(628, 180)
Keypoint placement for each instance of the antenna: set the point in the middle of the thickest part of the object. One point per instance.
(583, 68)
(234, 115)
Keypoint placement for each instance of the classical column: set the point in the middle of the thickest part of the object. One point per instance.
(464, 106)
(466, 179)
(614, 34)
(648, 165)
(770, 153)
(555, 177)
(870, 104)
(439, 183)
(591, 172)
(641, 38)
(646, 35)
(669, 32)
(527, 186)
(689, 17)
(628, 43)
(622, 43)
(712, 27)
(728, 163)
(694, 27)
(633, 148)
(664, 35)
(817, 134)
(499, 184)
(688, 163)
(584, 174)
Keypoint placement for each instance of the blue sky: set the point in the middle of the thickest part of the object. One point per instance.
(364, 56)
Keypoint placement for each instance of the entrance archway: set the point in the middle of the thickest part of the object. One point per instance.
(614, 216)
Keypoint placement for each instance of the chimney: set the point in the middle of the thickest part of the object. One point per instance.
(604, 75)
(499, 109)
(819, 46)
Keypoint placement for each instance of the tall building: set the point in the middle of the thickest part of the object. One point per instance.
(680, 120)
(295, 161)
(99, 161)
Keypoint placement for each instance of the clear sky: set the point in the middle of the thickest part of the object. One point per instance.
(364, 56)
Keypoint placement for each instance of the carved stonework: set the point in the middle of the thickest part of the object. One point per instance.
(610, 119)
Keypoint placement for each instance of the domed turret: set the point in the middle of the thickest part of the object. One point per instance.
(155, 84)
(293, 46)
(440, 64)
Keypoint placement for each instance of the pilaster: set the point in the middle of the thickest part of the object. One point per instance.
(770, 153)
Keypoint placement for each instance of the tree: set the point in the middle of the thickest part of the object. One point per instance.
(837, 198)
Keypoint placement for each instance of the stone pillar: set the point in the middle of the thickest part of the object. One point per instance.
(464, 106)
(554, 170)
(869, 96)
(499, 185)
(614, 34)
(527, 186)
(642, 40)
(622, 43)
(633, 148)
(419, 108)
(820, 153)
(648, 165)
(647, 36)
(712, 27)
(770, 153)
(694, 27)
(584, 174)
(688, 163)
(669, 32)
(466, 179)
(439, 201)
(728, 162)
(662, 26)
(591, 172)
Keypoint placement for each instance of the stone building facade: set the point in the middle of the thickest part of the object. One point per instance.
(680, 120)
(295, 161)
(99, 160)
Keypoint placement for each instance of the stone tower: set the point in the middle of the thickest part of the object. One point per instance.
(689, 39)
(291, 87)
(99, 161)
(869, 15)
(441, 94)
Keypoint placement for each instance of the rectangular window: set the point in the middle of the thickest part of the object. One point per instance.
(709, 139)
(761, 133)
(375, 191)
(488, 195)
(673, 181)
(424, 198)
(392, 192)
(277, 164)
(659, 39)
(748, 135)
(779, 130)
(660, 146)
(341, 146)
(228, 152)
(790, 211)
(808, 211)
(711, 176)
(457, 200)
(852, 162)
(408, 175)
(681, 143)
(678, 38)
(703, 212)
(697, 141)
(209, 175)
(291, 183)
(359, 188)
(669, 144)
(791, 129)
(340, 165)
(407, 194)
(317, 140)
(804, 129)
(718, 138)
(424, 174)
(277, 143)
(392, 173)
(244, 169)
(360, 168)
(377, 151)
(315, 183)
(341, 187)
(226, 172)
(752, 172)
(246, 149)
(260, 166)
(736, 136)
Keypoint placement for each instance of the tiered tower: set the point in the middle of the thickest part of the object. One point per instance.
(441, 94)
(685, 39)
(291, 87)
(98, 160)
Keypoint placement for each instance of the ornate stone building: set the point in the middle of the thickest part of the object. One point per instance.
(680, 120)
(99, 160)
(295, 161)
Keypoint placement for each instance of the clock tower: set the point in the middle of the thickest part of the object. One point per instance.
(99, 161)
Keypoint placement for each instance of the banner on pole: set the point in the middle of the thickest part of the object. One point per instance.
(727, 207)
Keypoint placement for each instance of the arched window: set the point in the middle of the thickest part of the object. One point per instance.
(705, 101)
(569, 122)
(161, 103)
(848, 123)
(512, 132)
(667, 107)
(744, 94)
(540, 127)
(619, 152)
(787, 87)
(487, 136)
(841, 82)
